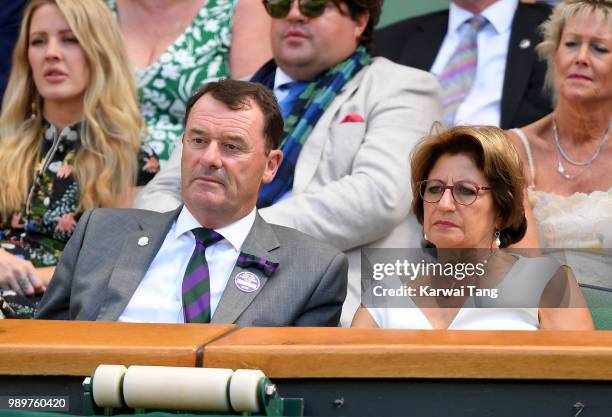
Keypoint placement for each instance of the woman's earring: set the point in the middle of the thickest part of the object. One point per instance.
(497, 239)
(425, 236)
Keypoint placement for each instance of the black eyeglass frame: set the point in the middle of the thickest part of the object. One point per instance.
(445, 187)
(284, 6)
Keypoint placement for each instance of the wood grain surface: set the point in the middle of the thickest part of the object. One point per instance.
(377, 353)
(39, 347)
(76, 348)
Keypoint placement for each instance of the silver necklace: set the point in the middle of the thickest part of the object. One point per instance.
(602, 142)
(561, 153)
(561, 169)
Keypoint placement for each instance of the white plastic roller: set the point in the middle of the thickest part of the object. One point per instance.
(106, 385)
(170, 388)
(243, 390)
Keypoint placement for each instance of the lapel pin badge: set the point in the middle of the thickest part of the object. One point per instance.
(525, 43)
(247, 281)
(143, 241)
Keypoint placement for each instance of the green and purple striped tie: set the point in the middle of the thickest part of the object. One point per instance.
(196, 282)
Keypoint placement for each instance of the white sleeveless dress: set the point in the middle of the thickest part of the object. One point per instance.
(578, 221)
(519, 288)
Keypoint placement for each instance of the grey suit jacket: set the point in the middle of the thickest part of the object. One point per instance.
(103, 264)
(352, 179)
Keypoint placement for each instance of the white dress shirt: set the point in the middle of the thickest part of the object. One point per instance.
(281, 78)
(158, 298)
(483, 103)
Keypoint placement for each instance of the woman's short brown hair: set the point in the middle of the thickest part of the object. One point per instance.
(496, 158)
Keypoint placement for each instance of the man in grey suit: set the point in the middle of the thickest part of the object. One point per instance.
(213, 259)
(351, 122)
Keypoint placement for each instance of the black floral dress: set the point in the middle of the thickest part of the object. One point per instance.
(42, 228)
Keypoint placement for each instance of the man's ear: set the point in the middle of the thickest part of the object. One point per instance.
(274, 159)
(360, 24)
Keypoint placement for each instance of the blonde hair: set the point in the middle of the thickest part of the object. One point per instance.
(106, 163)
(552, 29)
(496, 158)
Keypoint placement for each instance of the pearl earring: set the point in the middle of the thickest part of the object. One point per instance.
(497, 239)
(425, 236)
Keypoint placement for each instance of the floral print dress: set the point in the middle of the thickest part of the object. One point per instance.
(199, 55)
(42, 228)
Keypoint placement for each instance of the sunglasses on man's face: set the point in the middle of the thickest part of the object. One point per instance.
(279, 9)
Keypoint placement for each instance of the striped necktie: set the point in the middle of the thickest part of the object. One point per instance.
(196, 282)
(460, 70)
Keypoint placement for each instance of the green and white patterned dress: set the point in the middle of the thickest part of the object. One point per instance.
(199, 55)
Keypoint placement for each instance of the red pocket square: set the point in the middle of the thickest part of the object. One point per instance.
(353, 118)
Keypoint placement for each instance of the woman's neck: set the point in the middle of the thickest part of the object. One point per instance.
(160, 9)
(579, 124)
(472, 255)
(152, 6)
(61, 115)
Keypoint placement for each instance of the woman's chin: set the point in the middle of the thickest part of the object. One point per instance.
(448, 243)
(447, 239)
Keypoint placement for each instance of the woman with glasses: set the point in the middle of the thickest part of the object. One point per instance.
(70, 135)
(468, 196)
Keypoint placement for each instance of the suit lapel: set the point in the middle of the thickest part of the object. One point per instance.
(425, 42)
(260, 241)
(310, 155)
(519, 56)
(133, 263)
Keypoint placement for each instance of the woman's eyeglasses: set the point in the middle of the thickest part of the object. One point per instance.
(463, 192)
(279, 9)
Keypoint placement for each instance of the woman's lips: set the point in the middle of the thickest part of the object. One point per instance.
(580, 77)
(445, 224)
(55, 76)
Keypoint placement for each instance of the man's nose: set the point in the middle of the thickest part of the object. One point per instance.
(211, 156)
(294, 12)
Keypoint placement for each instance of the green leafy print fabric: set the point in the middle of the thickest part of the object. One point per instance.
(197, 56)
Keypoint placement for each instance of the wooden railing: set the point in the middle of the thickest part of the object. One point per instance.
(76, 348)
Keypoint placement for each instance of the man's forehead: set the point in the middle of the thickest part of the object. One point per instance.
(209, 107)
(209, 113)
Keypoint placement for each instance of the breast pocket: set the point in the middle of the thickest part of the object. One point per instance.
(343, 144)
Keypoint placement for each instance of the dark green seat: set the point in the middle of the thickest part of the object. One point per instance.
(599, 300)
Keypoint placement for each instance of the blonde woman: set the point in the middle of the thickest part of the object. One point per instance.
(567, 154)
(69, 135)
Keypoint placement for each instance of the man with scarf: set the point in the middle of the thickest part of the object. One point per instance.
(350, 124)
